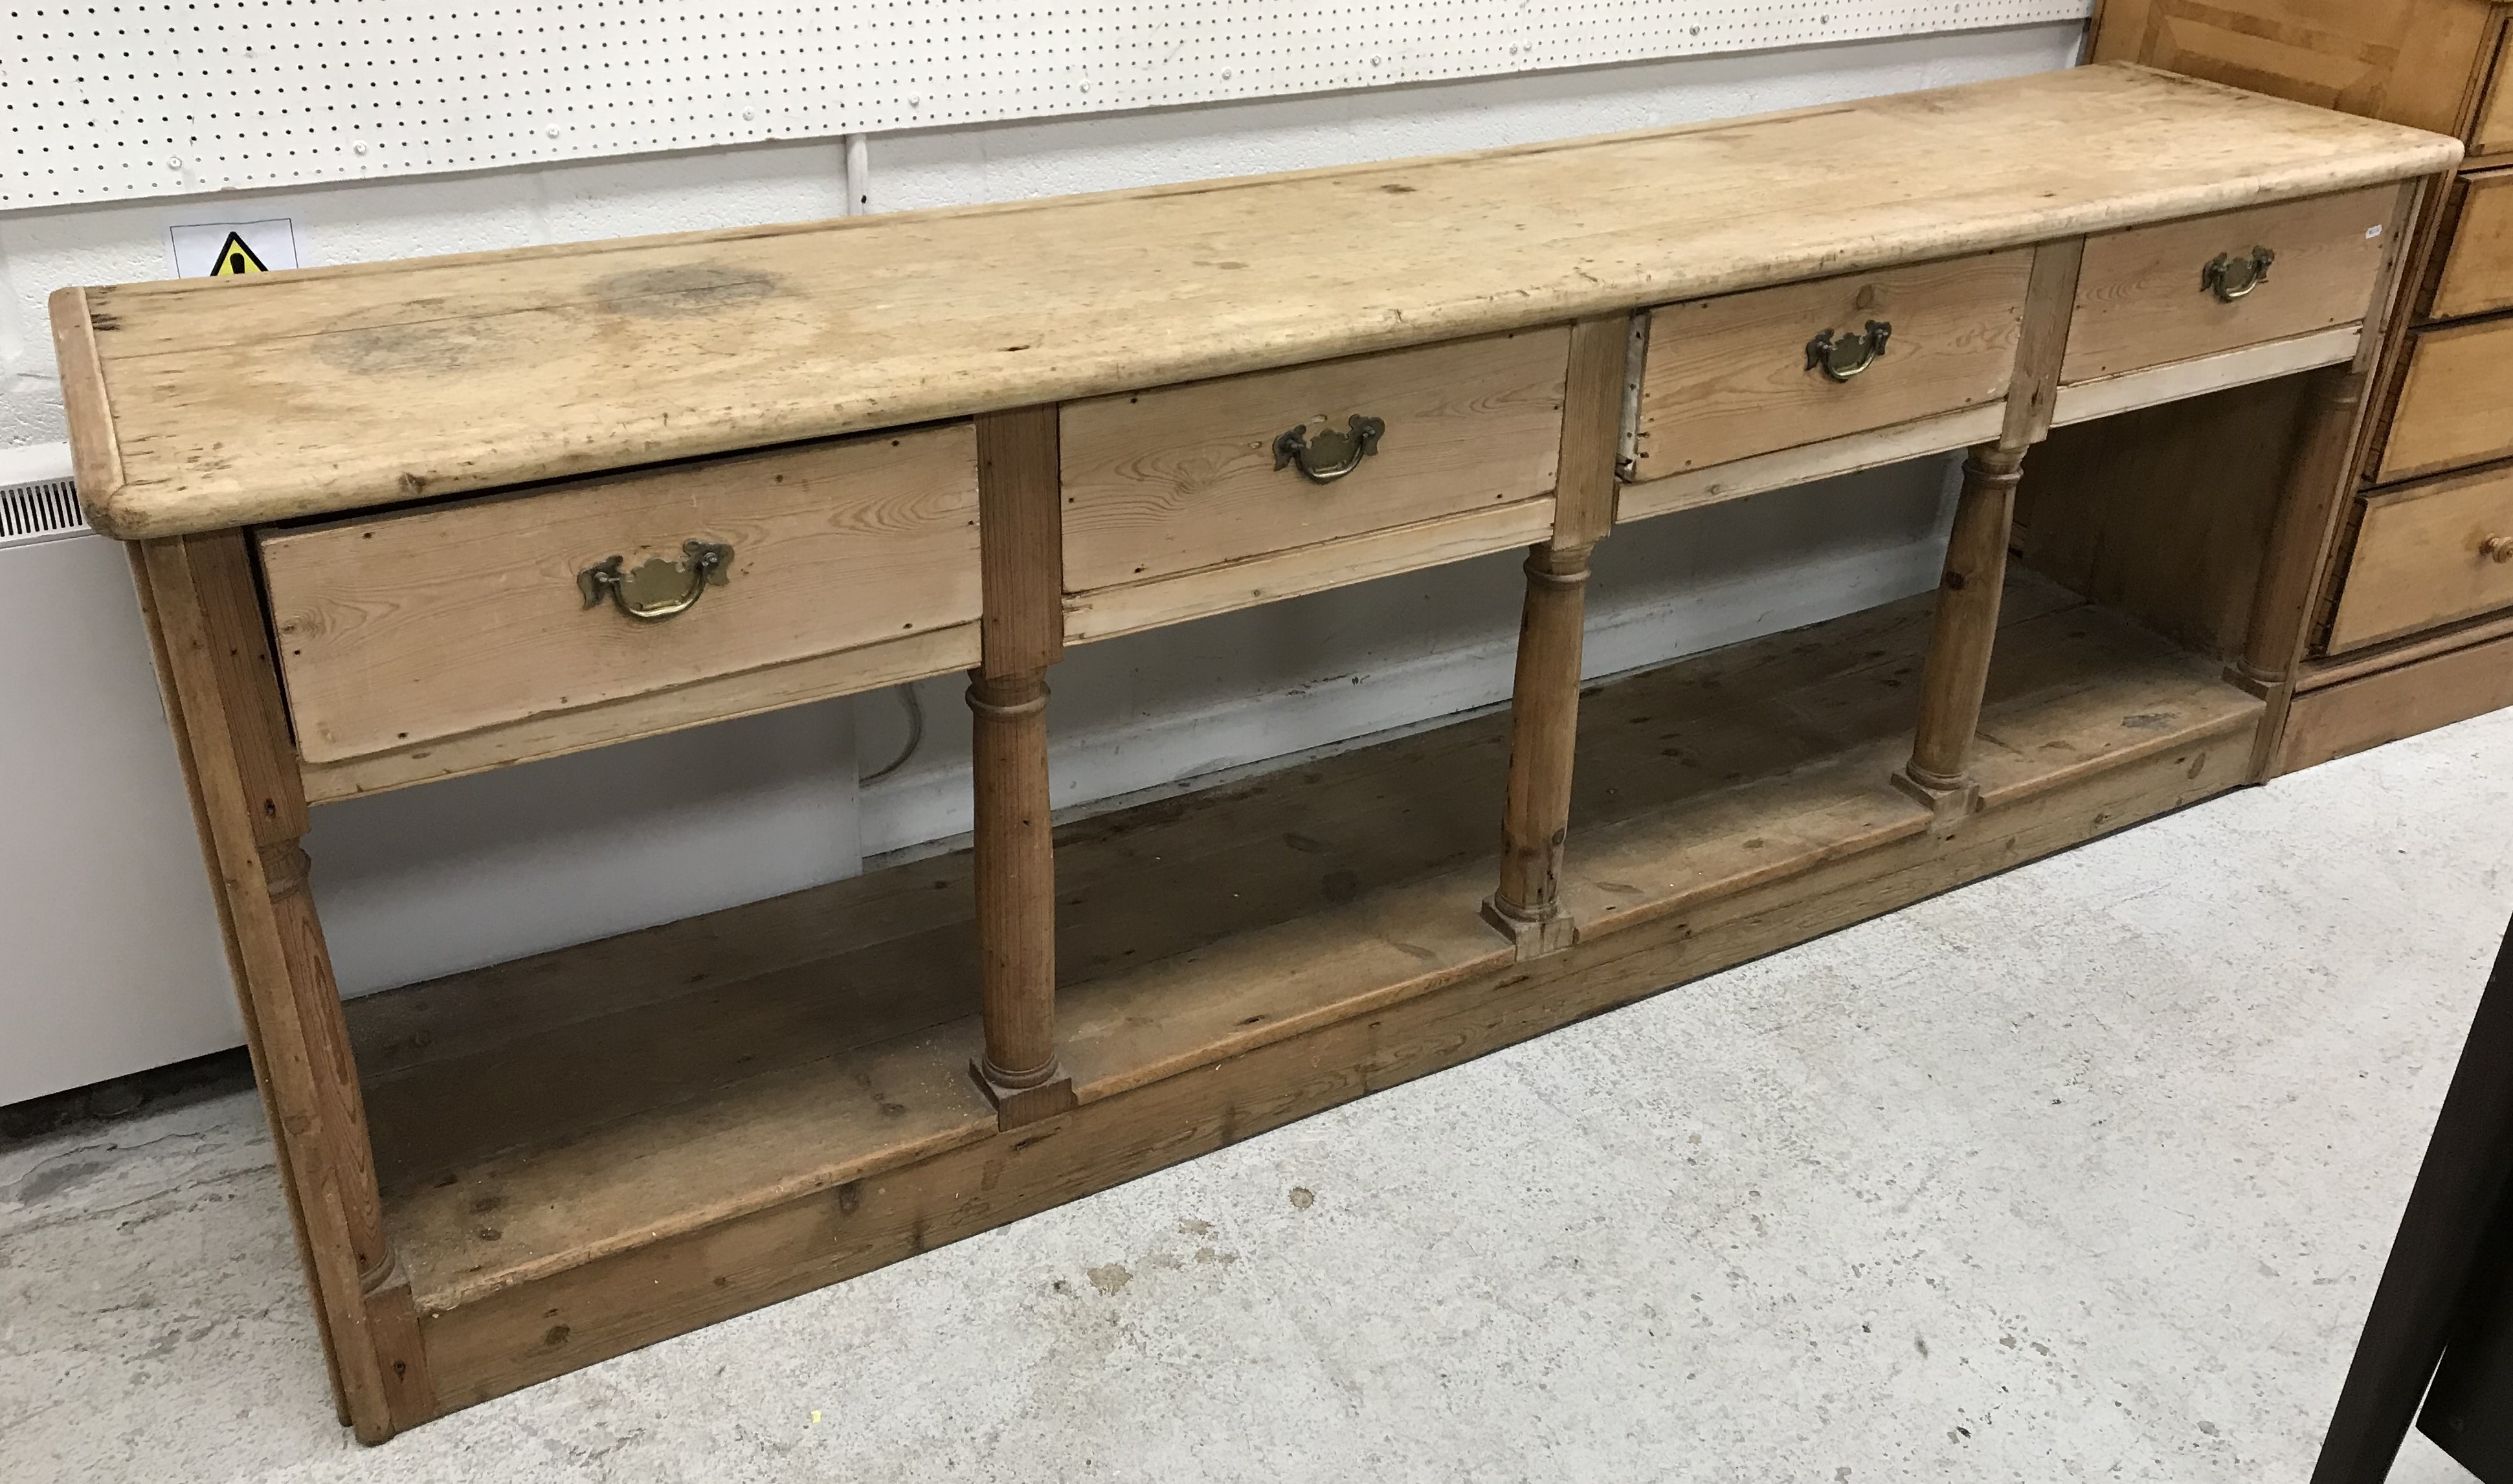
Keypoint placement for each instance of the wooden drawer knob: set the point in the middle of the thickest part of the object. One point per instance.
(1842, 357)
(2230, 278)
(2496, 549)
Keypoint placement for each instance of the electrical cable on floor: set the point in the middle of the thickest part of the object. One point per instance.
(915, 735)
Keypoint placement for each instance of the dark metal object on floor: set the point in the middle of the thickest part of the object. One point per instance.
(2443, 1296)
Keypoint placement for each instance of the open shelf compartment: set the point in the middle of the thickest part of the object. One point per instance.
(726, 1111)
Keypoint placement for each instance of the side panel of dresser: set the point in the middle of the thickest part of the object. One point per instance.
(2403, 632)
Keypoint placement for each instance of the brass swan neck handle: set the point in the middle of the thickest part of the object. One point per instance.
(656, 589)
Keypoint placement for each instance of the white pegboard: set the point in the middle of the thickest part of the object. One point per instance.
(146, 97)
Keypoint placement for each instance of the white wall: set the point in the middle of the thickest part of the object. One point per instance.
(473, 870)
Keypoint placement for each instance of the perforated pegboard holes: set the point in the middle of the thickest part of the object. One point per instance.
(148, 99)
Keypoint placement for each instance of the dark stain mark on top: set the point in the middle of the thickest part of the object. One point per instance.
(683, 292)
(385, 350)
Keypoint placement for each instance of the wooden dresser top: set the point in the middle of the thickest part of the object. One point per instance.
(200, 405)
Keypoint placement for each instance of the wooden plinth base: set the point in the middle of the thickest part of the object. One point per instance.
(1533, 937)
(1948, 807)
(1017, 1106)
(589, 1150)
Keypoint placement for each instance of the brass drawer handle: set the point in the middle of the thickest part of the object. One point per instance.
(2229, 278)
(1842, 357)
(658, 589)
(1329, 456)
(2496, 549)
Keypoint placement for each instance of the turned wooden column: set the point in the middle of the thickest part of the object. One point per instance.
(2314, 493)
(1544, 734)
(1960, 641)
(1974, 578)
(1021, 540)
(223, 695)
(1544, 697)
(1016, 880)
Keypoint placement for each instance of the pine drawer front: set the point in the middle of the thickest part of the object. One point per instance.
(2477, 275)
(2183, 289)
(2426, 554)
(2493, 133)
(1748, 373)
(1190, 478)
(397, 629)
(2456, 405)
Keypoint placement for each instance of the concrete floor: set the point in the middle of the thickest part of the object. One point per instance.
(2084, 1172)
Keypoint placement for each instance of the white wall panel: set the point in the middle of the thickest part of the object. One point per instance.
(154, 98)
(109, 951)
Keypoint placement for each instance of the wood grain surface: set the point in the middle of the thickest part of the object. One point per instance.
(2406, 61)
(2141, 300)
(2492, 133)
(2454, 396)
(1728, 378)
(720, 698)
(2476, 270)
(234, 402)
(401, 628)
(1337, 953)
(2426, 556)
(1177, 480)
(1114, 610)
(2399, 702)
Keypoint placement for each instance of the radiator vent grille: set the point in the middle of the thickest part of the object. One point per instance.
(39, 511)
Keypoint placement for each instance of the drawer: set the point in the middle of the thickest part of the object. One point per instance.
(2492, 133)
(2456, 404)
(2425, 555)
(2145, 297)
(1187, 478)
(2477, 274)
(1735, 376)
(397, 629)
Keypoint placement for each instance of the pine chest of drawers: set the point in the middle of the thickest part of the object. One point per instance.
(2408, 620)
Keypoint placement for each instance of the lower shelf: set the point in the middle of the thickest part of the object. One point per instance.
(592, 1149)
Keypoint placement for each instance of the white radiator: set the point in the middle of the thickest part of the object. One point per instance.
(111, 959)
(110, 954)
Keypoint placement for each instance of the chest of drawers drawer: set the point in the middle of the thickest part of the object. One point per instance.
(2456, 400)
(2182, 290)
(2494, 132)
(1187, 479)
(2427, 554)
(397, 629)
(2477, 273)
(1743, 374)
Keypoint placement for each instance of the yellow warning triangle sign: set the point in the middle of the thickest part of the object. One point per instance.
(236, 258)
